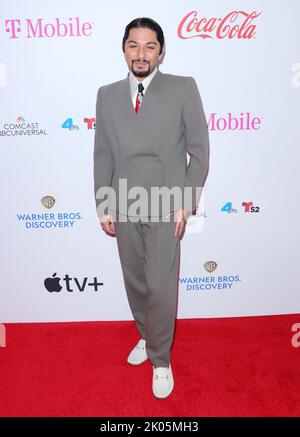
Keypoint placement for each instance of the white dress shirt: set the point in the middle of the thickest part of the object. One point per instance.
(133, 82)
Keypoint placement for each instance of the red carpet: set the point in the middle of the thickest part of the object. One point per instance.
(222, 367)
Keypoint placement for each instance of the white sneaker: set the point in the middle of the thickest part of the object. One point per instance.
(163, 382)
(138, 354)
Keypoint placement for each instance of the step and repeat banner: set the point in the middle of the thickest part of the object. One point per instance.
(240, 254)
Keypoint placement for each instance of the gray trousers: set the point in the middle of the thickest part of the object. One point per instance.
(150, 258)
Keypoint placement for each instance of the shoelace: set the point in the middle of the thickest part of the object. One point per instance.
(161, 376)
(140, 347)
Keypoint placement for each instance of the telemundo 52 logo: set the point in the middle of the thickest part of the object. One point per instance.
(247, 207)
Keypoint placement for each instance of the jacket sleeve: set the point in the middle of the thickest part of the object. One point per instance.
(103, 159)
(197, 141)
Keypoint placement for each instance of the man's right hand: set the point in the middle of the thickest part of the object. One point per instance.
(107, 225)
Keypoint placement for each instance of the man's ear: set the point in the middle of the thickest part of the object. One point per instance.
(161, 55)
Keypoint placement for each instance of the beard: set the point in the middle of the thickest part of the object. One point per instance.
(139, 73)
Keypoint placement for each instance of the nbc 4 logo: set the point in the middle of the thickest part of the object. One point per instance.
(69, 124)
(247, 208)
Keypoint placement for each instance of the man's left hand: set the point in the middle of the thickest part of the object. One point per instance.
(181, 216)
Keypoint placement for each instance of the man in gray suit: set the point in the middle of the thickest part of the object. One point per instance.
(146, 125)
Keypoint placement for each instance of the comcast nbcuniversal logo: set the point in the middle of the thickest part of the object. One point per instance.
(22, 128)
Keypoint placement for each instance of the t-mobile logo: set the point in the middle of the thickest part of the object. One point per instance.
(39, 28)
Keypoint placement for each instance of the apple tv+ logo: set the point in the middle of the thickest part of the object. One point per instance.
(52, 284)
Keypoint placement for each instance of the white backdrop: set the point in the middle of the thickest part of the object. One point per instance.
(235, 260)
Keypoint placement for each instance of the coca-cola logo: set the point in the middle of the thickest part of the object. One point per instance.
(236, 24)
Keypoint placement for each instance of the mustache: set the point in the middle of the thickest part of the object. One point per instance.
(140, 60)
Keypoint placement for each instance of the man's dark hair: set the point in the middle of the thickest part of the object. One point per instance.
(149, 24)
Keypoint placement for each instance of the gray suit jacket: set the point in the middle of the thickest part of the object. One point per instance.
(148, 149)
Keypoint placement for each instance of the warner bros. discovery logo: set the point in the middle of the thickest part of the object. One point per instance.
(71, 284)
(209, 283)
(47, 220)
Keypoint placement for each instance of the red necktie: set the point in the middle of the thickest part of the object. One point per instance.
(139, 97)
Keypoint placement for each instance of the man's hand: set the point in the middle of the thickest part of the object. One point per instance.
(181, 216)
(107, 225)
